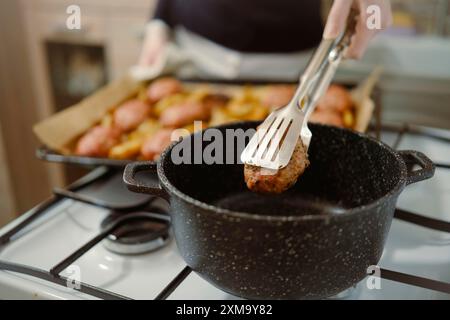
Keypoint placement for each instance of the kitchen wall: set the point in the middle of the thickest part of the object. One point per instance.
(28, 28)
(7, 209)
(23, 176)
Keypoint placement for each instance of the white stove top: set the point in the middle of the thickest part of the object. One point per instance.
(69, 224)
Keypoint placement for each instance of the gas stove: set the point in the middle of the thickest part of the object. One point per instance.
(97, 240)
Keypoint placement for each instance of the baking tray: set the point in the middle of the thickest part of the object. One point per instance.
(46, 154)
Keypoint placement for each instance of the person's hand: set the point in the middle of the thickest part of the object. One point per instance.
(337, 20)
(155, 41)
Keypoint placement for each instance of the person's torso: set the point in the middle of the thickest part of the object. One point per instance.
(252, 25)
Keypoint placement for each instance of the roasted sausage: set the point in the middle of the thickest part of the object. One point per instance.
(162, 88)
(337, 99)
(278, 96)
(154, 145)
(264, 180)
(324, 116)
(131, 114)
(98, 141)
(215, 100)
(184, 113)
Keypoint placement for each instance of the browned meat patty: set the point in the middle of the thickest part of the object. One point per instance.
(264, 180)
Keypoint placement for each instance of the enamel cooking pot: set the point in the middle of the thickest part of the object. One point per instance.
(313, 241)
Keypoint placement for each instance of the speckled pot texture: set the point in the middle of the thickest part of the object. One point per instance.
(313, 241)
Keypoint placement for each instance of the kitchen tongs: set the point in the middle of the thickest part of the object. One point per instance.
(274, 142)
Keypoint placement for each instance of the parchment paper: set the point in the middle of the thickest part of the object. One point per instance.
(59, 131)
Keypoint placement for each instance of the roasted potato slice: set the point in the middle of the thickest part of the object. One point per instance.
(126, 150)
(243, 104)
(142, 94)
(221, 116)
(167, 102)
(107, 121)
(259, 112)
(131, 146)
(146, 129)
(240, 109)
(198, 94)
(192, 128)
(348, 118)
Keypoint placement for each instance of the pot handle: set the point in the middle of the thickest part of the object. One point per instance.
(129, 177)
(415, 157)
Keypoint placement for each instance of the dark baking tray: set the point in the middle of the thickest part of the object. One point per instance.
(46, 154)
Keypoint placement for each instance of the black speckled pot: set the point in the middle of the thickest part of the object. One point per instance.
(312, 241)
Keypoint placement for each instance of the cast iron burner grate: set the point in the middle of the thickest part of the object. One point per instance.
(117, 224)
(145, 230)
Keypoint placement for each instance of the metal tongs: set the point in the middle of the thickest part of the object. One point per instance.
(274, 142)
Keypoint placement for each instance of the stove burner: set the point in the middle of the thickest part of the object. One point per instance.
(138, 233)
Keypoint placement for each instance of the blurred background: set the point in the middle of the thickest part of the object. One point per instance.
(44, 68)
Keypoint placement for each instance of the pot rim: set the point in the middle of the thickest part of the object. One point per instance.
(173, 190)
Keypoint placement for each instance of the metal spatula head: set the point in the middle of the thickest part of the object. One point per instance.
(274, 142)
